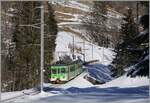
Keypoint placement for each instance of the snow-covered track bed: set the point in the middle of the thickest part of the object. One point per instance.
(21, 94)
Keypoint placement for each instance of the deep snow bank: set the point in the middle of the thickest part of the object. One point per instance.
(79, 81)
(125, 81)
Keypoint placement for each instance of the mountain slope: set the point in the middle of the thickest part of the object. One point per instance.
(68, 15)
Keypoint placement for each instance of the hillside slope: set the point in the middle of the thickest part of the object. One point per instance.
(68, 15)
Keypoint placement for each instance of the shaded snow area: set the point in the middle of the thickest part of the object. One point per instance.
(99, 72)
(104, 55)
(89, 95)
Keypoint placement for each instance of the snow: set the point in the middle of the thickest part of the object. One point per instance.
(75, 17)
(104, 55)
(94, 94)
(68, 23)
(9, 14)
(72, 4)
(144, 32)
(126, 82)
(114, 14)
(11, 9)
(95, 98)
(8, 95)
(99, 72)
(77, 82)
(42, 95)
(77, 4)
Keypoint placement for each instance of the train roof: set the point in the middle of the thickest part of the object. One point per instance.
(64, 64)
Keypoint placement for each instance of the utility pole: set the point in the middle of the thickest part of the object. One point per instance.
(73, 47)
(42, 46)
(84, 49)
(0, 55)
(103, 52)
(92, 51)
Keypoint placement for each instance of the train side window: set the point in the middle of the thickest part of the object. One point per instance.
(54, 71)
(63, 70)
(72, 69)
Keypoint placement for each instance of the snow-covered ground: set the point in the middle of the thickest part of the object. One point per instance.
(121, 90)
(9, 95)
(77, 82)
(127, 82)
(104, 55)
(72, 4)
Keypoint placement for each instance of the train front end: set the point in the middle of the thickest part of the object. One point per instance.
(58, 74)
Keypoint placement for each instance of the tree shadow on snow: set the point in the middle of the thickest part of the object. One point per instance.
(96, 95)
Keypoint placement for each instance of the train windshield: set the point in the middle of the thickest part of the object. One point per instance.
(63, 70)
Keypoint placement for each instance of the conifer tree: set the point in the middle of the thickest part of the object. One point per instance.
(26, 38)
(124, 58)
(141, 67)
(50, 37)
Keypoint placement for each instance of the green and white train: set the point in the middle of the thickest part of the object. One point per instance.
(61, 73)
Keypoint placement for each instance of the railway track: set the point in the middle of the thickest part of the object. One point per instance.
(27, 93)
(22, 95)
(55, 85)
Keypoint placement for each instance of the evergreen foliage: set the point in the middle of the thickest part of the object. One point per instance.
(49, 37)
(24, 55)
(141, 67)
(124, 58)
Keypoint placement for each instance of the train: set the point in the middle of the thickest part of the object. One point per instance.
(62, 73)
